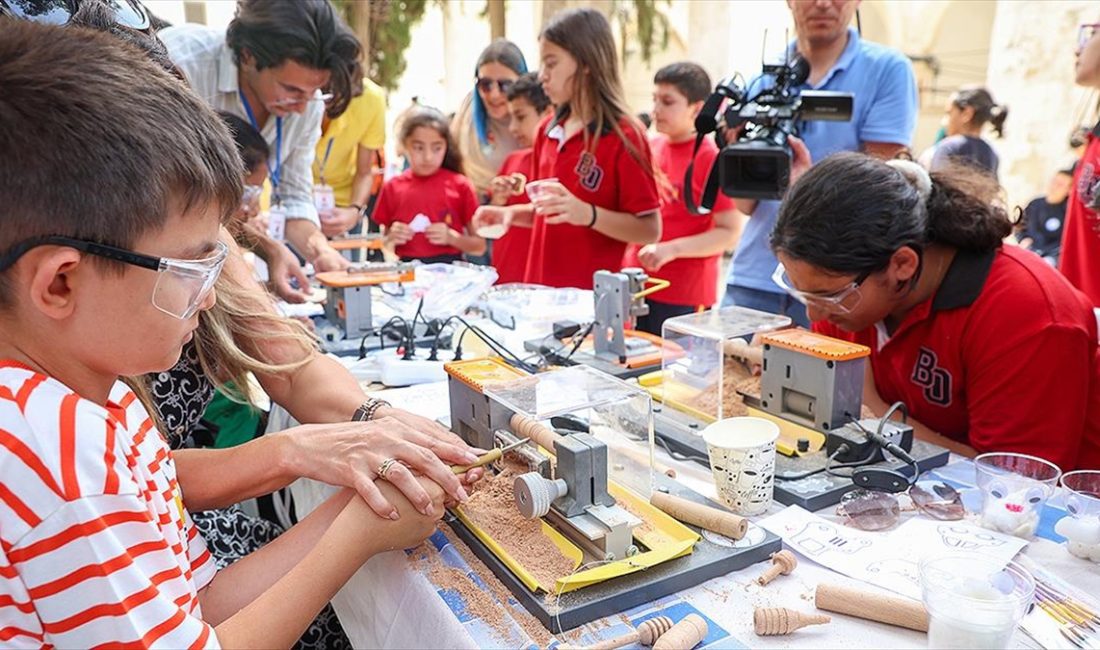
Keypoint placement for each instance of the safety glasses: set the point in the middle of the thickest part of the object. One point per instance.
(126, 13)
(877, 510)
(840, 302)
(485, 84)
(182, 285)
(283, 103)
(1085, 32)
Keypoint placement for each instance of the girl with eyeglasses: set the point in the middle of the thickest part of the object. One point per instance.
(987, 345)
(480, 125)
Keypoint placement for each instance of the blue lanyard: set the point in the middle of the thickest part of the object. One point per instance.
(275, 172)
(324, 160)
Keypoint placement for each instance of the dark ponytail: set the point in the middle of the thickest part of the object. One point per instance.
(985, 109)
(851, 212)
(432, 118)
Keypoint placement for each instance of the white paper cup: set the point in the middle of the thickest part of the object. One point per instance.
(537, 189)
(492, 231)
(742, 459)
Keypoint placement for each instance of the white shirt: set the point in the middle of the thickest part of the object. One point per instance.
(207, 62)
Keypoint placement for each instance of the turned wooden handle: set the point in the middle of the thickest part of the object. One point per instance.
(685, 635)
(873, 606)
(542, 435)
(607, 644)
(754, 354)
(719, 521)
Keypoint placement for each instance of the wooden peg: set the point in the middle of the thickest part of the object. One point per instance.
(778, 621)
(873, 606)
(685, 635)
(783, 563)
(719, 521)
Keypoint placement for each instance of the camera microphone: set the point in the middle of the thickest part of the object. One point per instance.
(799, 70)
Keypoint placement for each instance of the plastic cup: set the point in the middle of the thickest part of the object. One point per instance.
(973, 601)
(538, 189)
(742, 460)
(492, 231)
(1014, 489)
(1082, 527)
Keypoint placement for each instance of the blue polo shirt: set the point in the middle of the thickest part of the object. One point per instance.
(884, 110)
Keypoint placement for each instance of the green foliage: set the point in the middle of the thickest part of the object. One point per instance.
(642, 22)
(390, 30)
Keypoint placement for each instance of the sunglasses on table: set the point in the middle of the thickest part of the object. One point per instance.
(877, 510)
(182, 285)
(126, 13)
(485, 84)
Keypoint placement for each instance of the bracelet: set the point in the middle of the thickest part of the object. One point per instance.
(365, 413)
(593, 222)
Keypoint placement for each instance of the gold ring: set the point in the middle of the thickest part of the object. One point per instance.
(385, 467)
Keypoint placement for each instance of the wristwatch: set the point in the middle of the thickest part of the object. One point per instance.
(366, 411)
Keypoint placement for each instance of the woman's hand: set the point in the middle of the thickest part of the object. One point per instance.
(558, 205)
(436, 432)
(349, 454)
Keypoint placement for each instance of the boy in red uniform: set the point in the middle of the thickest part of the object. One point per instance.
(599, 191)
(691, 245)
(1080, 260)
(528, 105)
(426, 210)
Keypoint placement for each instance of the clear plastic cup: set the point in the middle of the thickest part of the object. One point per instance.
(973, 601)
(538, 189)
(742, 460)
(1014, 489)
(1082, 527)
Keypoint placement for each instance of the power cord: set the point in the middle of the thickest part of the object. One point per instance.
(380, 331)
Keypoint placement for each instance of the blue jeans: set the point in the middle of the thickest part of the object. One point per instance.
(773, 303)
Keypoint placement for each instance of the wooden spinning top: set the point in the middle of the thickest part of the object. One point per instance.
(777, 621)
(783, 563)
(651, 630)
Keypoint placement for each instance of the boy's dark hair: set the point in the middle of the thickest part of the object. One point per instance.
(251, 145)
(689, 78)
(304, 31)
(434, 119)
(99, 142)
(529, 88)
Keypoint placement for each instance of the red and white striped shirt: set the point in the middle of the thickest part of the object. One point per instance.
(96, 548)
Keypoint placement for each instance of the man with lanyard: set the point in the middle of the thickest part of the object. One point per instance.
(269, 67)
(883, 117)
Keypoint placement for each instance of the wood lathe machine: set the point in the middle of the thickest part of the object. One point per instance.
(587, 475)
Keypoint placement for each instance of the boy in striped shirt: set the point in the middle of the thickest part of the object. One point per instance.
(116, 180)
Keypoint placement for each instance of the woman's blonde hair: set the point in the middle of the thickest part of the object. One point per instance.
(233, 339)
(586, 35)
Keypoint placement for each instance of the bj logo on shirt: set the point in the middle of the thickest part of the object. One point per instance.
(935, 381)
(589, 172)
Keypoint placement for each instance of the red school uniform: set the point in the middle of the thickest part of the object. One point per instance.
(510, 251)
(565, 255)
(1003, 358)
(1080, 256)
(694, 280)
(444, 197)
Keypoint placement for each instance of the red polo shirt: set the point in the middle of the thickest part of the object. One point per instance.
(1003, 358)
(1080, 256)
(610, 177)
(442, 197)
(510, 251)
(694, 279)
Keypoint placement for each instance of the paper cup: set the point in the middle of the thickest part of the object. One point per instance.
(537, 189)
(742, 459)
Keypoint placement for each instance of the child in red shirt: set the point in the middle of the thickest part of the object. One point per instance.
(988, 347)
(528, 105)
(426, 209)
(604, 192)
(691, 244)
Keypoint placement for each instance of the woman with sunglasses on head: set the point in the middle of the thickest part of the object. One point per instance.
(990, 349)
(480, 125)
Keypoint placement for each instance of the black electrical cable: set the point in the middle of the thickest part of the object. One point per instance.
(796, 477)
(497, 347)
(379, 331)
(677, 455)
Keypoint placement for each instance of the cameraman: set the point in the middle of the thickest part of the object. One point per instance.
(883, 117)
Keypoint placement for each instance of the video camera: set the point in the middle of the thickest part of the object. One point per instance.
(758, 164)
